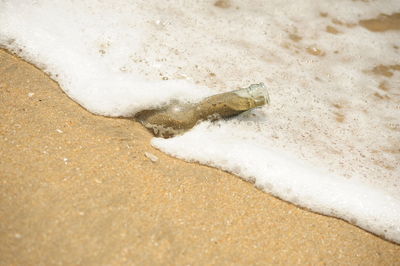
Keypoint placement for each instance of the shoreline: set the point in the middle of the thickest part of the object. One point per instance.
(78, 188)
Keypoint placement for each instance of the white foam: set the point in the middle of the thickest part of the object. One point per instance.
(327, 112)
(78, 44)
(287, 177)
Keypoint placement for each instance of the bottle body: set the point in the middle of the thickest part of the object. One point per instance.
(177, 118)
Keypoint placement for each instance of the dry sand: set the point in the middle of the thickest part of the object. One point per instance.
(78, 189)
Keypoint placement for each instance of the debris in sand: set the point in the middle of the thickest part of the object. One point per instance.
(151, 156)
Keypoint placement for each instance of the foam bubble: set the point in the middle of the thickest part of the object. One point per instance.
(334, 93)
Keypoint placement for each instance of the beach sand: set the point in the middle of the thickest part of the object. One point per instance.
(77, 188)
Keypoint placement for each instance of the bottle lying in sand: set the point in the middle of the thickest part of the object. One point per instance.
(177, 118)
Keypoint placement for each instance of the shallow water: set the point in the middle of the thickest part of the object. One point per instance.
(329, 141)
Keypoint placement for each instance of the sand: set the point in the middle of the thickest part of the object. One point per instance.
(77, 188)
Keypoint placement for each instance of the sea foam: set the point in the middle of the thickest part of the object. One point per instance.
(329, 141)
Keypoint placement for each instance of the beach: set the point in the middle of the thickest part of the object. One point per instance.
(77, 188)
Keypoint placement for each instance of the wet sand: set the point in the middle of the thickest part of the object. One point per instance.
(77, 188)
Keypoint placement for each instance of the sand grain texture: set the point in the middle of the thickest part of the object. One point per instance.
(78, 189)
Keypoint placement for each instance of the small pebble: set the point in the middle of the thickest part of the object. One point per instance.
(151, 156)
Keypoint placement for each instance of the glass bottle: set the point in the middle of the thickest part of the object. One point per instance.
(178, 117)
